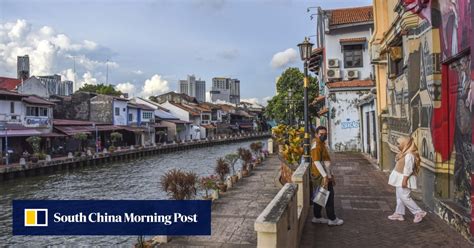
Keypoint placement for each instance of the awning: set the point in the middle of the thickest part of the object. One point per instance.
(208, 126)
(134, 129)
(72, 130)
(20, 133)
(107, 128)
(52, 135)
(179, 121)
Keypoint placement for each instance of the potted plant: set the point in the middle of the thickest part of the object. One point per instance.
(222, 169)
(115, 137)
(208, 183)
(178, 184)
(35, 143)
(246, 157)
(81, 137)
(231, 159)
(255, 147)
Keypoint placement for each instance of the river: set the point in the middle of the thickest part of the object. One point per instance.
(132, 180)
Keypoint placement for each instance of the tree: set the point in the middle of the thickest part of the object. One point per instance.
(291, 78)
(101, 89)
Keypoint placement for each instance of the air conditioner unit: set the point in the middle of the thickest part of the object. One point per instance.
(333, 73)
(352, 74)
(333, 63)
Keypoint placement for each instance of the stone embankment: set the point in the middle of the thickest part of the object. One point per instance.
(67, 163)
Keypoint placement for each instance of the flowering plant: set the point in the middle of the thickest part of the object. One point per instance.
(209, 182)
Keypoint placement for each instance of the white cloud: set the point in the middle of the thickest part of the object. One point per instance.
(208, 96)
(283, 59)
(126, 88)
(265, 100)
(154, 86)
(50, 52)
(87, 78)
(138, 72)
(253, 100)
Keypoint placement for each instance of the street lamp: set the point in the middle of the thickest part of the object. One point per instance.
(305, 53)
(96, 137)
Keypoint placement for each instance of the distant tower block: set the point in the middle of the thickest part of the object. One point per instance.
(23, 67)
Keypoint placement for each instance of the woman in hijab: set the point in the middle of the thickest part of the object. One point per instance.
(403, 178)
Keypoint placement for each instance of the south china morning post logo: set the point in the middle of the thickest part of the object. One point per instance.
(36, 217)
(111, 217)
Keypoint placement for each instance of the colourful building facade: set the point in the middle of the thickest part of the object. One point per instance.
(421, 51)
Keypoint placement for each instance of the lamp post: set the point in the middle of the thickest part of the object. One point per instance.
(305, 52)
(96, 137)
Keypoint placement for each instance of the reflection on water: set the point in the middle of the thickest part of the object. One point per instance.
(131, 180)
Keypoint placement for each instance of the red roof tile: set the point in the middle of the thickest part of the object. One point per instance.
(64, 122)
(37, 100)
(351, 15)
(350, 84)
(9, 83)
(360, 39)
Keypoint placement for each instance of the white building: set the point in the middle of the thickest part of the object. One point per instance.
(22, 116)
(193, 87)
(345, 71)
(225, 89)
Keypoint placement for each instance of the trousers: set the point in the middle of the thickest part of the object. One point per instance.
(329, 205)
(404, 200)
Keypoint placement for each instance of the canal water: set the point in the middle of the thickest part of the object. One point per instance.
(132, 180)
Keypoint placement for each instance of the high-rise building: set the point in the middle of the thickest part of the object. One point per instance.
(193, 87)
(225, 89)
(23, 67)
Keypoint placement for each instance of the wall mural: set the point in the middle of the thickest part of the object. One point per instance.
(452, 115)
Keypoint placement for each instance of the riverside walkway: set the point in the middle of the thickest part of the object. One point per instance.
(364, 200)
(234, 213)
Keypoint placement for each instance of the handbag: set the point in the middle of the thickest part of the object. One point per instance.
(320, 194)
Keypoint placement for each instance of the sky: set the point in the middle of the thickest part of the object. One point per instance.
(148, 46)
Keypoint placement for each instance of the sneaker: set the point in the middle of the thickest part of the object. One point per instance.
(319, 220)
(419, 217)
(336, 222)
(396, 216)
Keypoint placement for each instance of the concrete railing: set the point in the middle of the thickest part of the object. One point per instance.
(281, 223)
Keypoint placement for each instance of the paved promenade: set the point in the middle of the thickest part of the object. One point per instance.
(364, 200)
(234, 214)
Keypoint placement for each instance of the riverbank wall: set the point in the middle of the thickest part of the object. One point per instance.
(72, 163)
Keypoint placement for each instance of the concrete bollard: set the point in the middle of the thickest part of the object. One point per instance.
(215, 194)
(48, 158)
(132, 147)
(105, 151)
(229, 182)
(22, 161)
(89, 153)
(163, 239)
(270, 146)
(69, 155)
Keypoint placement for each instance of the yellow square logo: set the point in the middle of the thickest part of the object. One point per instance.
(36, 217)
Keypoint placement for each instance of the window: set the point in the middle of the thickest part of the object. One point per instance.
(36, 111)
(147, 115)
(117, 111)
(353, 56)
(130, 117)
(12, 107)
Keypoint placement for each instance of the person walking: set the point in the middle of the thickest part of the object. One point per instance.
(403, 178)
(321, 167)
